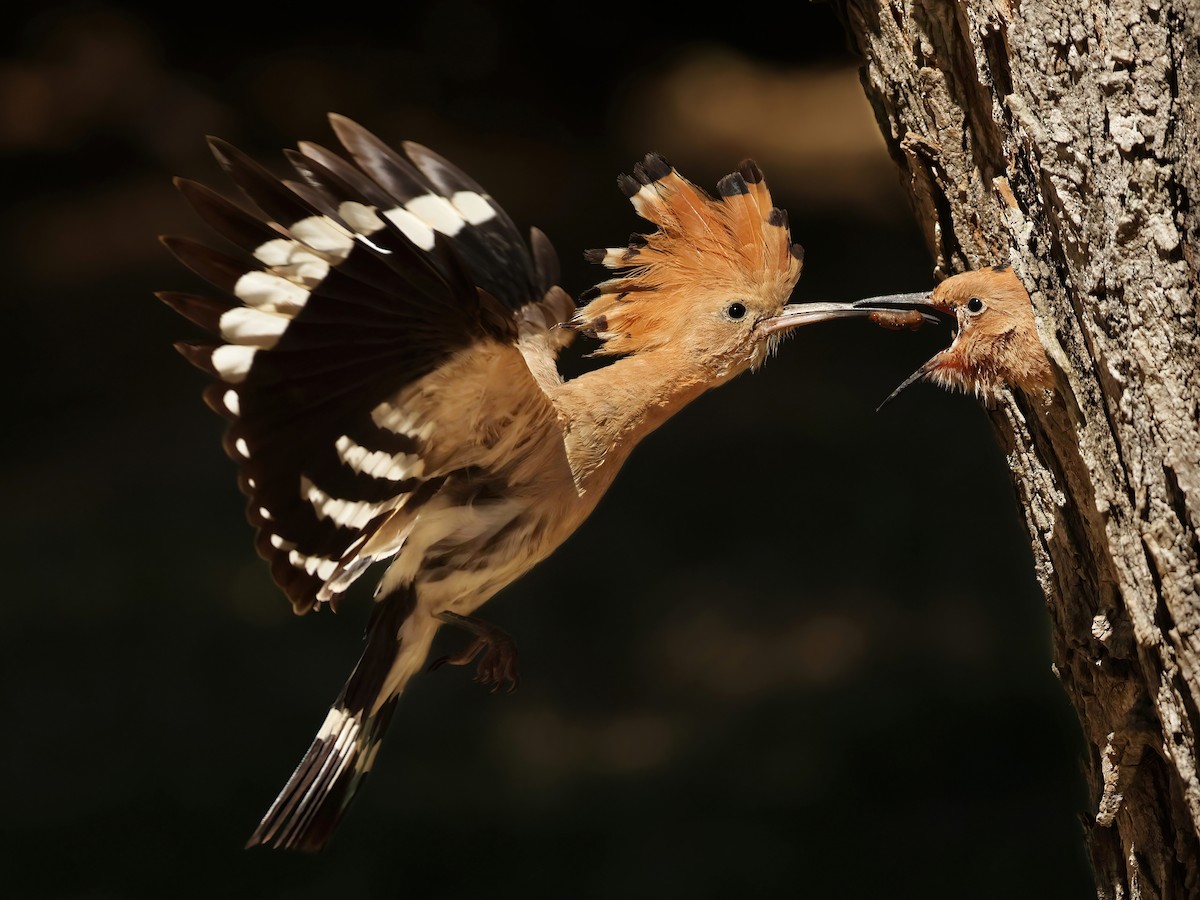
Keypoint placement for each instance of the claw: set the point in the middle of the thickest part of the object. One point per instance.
(460, 659)
(498, 665)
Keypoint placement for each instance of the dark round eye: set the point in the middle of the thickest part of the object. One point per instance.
(735, 310)
(974, 305)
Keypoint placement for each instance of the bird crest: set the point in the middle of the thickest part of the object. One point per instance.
(737, 243)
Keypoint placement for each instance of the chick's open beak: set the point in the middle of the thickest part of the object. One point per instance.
(908, 311)
(796, 314)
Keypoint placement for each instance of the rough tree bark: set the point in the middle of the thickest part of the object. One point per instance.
(1063, 136)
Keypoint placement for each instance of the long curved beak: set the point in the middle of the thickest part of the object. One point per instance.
(796, 314)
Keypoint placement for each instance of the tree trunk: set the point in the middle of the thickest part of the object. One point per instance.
(1064, 137)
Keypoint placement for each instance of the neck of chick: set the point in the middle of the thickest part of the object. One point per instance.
(605, 413)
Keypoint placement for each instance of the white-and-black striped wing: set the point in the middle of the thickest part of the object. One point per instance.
(353, 282)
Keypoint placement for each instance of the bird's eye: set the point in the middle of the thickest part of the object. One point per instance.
(735, 310)
(974, 305)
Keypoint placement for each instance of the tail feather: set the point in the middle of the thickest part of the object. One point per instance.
(312, 803)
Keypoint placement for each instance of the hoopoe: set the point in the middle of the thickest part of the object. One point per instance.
(995, 342)
(387, 364)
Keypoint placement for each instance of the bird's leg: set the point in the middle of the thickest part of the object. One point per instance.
(499, 662)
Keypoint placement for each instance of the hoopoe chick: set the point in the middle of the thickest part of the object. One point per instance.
(386, 358)
(996, 341)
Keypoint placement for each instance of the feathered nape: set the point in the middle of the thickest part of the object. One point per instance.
(736, 242)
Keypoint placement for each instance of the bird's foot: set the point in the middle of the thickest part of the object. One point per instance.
(498, 666)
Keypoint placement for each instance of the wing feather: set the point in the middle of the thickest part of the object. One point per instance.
(349, 289)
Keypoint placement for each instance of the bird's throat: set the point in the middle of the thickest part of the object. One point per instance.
(608, 411)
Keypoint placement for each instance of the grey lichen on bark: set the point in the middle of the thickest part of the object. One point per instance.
(1064, 137)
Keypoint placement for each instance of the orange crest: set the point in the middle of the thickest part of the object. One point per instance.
(736, 243)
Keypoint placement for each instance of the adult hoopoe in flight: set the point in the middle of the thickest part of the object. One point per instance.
(387, 363)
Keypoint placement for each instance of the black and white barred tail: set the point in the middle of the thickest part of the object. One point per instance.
(342, 292)
(312, 803)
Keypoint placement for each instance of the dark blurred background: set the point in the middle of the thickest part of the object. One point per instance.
(798, 650)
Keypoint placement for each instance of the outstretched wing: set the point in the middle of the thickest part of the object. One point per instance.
(348, 289)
